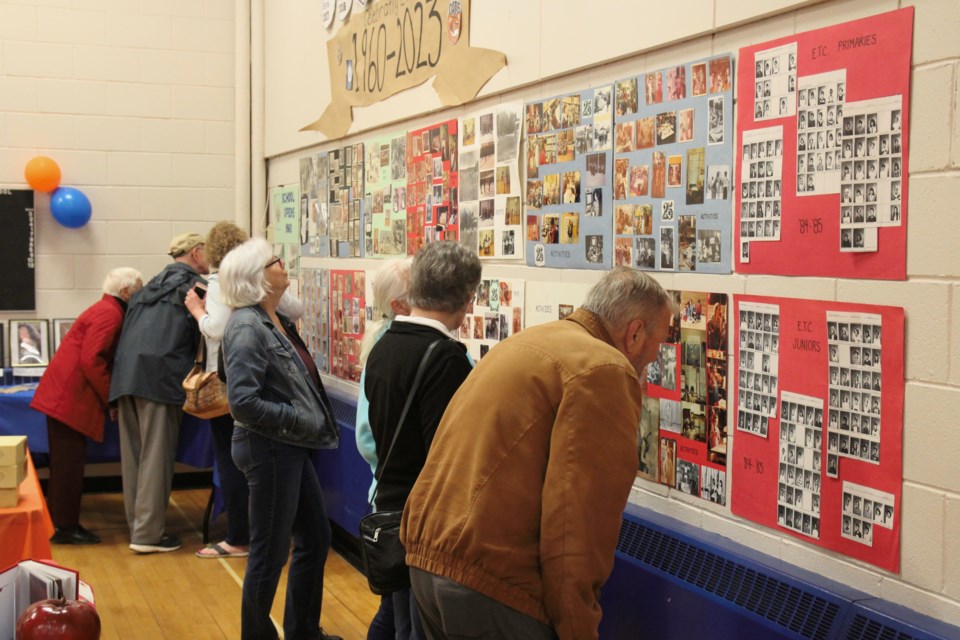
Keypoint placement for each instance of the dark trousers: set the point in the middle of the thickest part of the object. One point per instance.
(381, 627)
(450, 611)
(285, 500)
(406, 618)
(68, 452)
(233, 484)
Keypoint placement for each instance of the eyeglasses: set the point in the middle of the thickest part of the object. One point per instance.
(273, 262)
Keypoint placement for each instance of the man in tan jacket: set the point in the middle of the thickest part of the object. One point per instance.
(511, 527)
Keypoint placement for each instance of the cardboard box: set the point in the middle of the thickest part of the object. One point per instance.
(13, 449)
(9, 498)
(12, 475)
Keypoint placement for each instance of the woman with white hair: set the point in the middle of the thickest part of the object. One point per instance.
(281, 414)
(74, 393)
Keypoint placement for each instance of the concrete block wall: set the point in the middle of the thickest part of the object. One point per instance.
(135, 101)
(535, 40)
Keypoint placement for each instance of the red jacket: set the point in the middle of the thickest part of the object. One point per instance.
(76, 385)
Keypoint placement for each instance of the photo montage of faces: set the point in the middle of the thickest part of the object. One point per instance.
(385, 199)
(569, 143)
(495, 314)
(864, 509)
(672, 176)
(761, 186)
(432, 182)
(819, 118)
(775, 83)
(313, 205)
(348, 321)
(315, 293)
(345, 187)
(801, 442)
(853, 423)
(490, 189)
(758, 346)
(871, 171)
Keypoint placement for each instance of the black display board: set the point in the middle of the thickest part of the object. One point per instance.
(17, 251)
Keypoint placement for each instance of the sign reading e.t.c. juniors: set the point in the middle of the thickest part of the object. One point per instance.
(398, 44)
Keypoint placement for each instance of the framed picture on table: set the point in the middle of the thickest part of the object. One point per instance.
(60, 328)
(29, 343)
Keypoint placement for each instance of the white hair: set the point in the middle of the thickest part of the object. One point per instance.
(392, 282)
(119, 279)
(243, 279)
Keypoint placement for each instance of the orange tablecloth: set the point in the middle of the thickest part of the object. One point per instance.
(25, 530)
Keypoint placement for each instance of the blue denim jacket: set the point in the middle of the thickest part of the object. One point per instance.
(269, 389)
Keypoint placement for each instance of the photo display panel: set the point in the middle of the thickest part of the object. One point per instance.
(385, 197)
(682, 437)
(347, 322)
(495, 314)
(284, 226)
(569, 168)
(672, 173)
(314, 173)
(825, 463)
(491, 192)
(315, 325)
(832, 106)
(344, 200)
(432, 185)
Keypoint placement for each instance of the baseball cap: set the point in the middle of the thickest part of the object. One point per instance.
(183, 243)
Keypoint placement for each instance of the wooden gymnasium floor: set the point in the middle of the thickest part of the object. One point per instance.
(176, 595)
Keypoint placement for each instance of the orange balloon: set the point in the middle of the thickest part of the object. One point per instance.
(42, 173)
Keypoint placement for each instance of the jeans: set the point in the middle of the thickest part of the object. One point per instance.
(233, 485)
(406, 617)
(285, 499)
(381, 627)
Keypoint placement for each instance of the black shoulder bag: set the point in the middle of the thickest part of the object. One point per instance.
(384, 558)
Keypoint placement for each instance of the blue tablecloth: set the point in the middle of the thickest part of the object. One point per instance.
(17, 418)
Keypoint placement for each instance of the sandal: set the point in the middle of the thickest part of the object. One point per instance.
(219, 550)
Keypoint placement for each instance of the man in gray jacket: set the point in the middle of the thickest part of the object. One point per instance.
(155, 353)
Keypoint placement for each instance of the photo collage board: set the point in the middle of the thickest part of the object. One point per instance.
(344, 203)
(569, 143)
(347, 321)
(682, 436)
(491, 221)
(314, 173)
(385, 197)
(495, 314)
(315, 324)
(823, 145)
(818, 450)
(432, 185)
(673, 171)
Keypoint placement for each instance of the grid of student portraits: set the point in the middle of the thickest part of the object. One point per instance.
(801, 442)
(757, 379)
(345, 187)
(672, 168)
(385, 196)
(863, 509)
(819, 117)
(568, 211)
(760, 187)
(775, 82)
(432, 184)
(347, 322)
(871, 171)
(490, 186)
(315, 293)
(854, 351)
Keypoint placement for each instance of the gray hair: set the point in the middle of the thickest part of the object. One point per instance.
(391, 283)
(624, 294)
(119, 279)
(444, 277)
(243, 279)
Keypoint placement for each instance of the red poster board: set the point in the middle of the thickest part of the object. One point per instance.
(432, 185)
(823, 145)
(829, 443)
(347, 322)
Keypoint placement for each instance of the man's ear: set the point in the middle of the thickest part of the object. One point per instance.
(636, 334)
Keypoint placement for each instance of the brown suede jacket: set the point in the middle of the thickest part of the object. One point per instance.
(523, 490)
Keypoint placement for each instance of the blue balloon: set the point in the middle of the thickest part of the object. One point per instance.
(70, 207)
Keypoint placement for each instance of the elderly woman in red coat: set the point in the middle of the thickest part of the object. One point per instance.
(73, 394)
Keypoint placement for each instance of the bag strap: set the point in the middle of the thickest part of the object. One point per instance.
(201, 357)
(403, 415)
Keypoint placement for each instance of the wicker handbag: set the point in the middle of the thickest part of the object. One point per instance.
(206, 393)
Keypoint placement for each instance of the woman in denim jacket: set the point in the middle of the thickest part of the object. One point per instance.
(282, 414)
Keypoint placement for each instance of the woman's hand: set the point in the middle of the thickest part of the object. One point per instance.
(195, 304)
